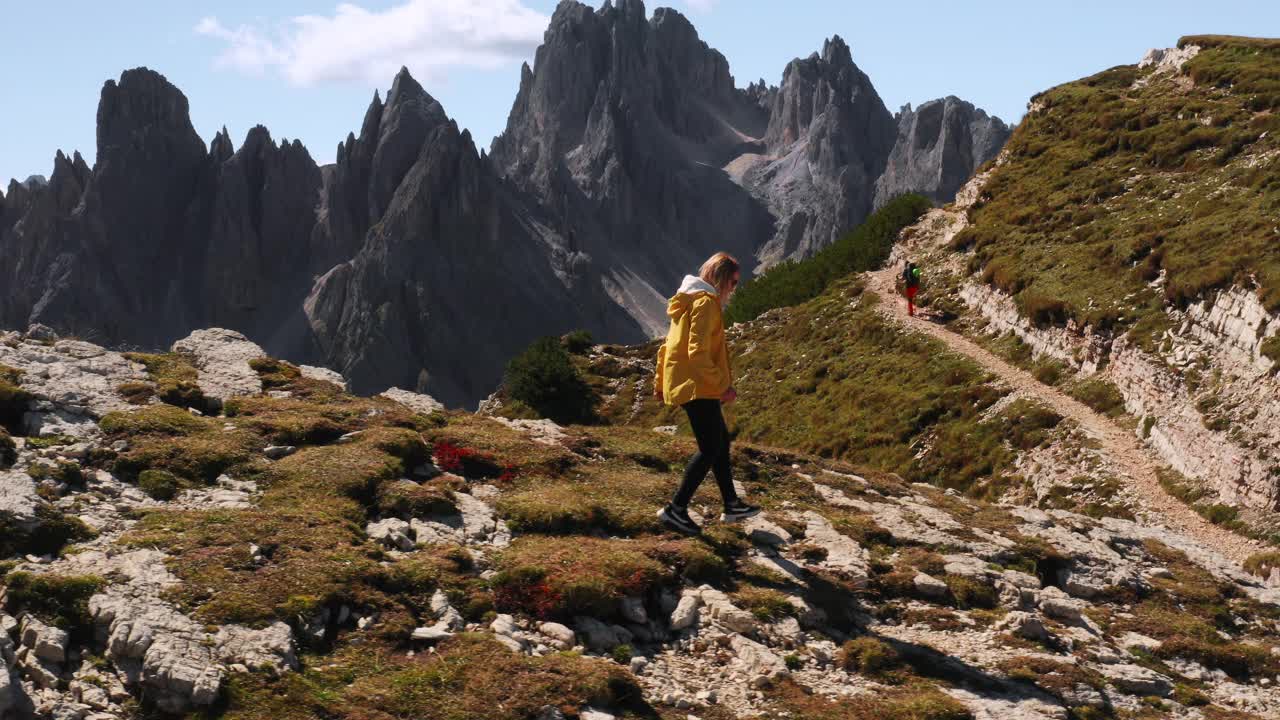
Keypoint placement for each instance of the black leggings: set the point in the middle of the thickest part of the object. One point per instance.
(713, 452)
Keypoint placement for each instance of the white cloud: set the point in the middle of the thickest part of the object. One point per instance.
(427, 36)
(701, 6)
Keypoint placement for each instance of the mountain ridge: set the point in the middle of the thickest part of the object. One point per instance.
(627, 160)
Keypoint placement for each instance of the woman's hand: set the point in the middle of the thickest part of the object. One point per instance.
(729, 396)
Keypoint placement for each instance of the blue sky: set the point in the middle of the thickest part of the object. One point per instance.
(307, 69)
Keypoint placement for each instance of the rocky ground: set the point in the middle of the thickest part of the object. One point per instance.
(211, 533)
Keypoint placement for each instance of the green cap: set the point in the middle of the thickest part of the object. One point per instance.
(915, 272)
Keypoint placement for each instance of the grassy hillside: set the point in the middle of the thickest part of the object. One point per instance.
(833, 378)
(1124, 193)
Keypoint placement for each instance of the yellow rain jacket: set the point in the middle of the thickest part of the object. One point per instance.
(694, 361)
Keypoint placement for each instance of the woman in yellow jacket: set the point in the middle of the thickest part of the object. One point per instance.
(693, 372)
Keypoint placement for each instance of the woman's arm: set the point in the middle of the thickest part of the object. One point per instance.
(657, 372)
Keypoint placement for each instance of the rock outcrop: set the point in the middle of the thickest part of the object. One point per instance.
(620, 130)
(829, 138)
(456, 278)
(939, 146)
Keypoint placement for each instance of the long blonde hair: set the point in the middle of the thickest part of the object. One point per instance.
(718, 270)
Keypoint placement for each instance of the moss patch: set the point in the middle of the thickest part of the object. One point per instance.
(159, 484)
(52, 531)
(467, 678)
(8, 449)
(174, 379)
(310, 523)
(552, 577)
(13, 403)
(61, 600)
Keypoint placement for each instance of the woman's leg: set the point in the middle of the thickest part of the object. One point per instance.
(707, 423)
(721, 466)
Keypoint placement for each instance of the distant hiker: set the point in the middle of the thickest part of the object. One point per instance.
(693, 372)
(911, 278)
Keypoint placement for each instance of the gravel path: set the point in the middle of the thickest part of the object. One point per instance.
(1137, 463)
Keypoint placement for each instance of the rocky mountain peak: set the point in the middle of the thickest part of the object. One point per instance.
(221, 148)
(836, 52)
(142, 110)
(409, 114)
(939, 146)
(372, 118)
(830, 80)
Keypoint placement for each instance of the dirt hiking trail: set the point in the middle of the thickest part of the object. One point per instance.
(1137, 463)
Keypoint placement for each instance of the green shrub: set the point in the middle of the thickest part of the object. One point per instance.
(622, 653)
(175, 379)
(1271, 349)
(159, 484)
(970, 593)
(61, 600)
(8, 449)
(544, 378)
(578, 342)
(1219, 514)
(1261, 564)
(13, 405)
(275, 373)
(65, 472)
(865, 247)
(136, 393)
(1100, 395)
(52, 532)
(869, 656)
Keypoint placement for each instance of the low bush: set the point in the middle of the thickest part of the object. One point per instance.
(61, 600)
(175, 379)
(8, 449)
(52, 532)
(1261, 564)
(65, 472)
(869, 656)
(13, 404)
(1100, 395)
(544, 378)
(558, 578)
(578, 342)
(159, 484)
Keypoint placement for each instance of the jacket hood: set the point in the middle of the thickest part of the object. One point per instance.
(691, 286)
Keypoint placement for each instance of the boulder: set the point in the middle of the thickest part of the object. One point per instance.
(757, 660)
(392, 532)
(1137, 680)
(1135, 641)
(720, 608)
(1024, 624)
(930, 587)
(763, 532)
(312, 372)
(417, 402)
(599, 636)
(222, 359)
(632, 610)
(686, 612)
(432, 634)
(561, 636)
(47, 642)
(1056, 604)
